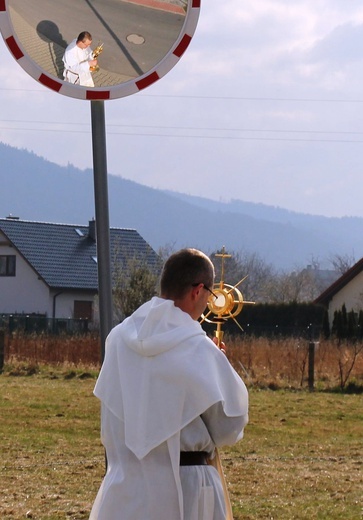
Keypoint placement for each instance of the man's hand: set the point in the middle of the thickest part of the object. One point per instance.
(92, 63)
(222, 347)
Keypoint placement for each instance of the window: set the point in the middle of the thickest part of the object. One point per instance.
(7, 265)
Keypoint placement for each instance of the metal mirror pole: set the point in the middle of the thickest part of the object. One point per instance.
(102, 220)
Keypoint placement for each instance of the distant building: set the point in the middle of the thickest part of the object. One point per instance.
(323, 277)
(346, 290)
(317, 280)
(51, 269)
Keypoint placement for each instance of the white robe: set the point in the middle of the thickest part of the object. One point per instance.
(76, 65)
(164, 388)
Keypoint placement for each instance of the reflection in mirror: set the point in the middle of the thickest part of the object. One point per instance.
(136, 34)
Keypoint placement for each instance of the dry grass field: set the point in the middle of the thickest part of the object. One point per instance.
(265, 363)
(301, 457)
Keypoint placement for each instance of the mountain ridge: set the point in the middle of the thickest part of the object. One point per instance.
(34, 188)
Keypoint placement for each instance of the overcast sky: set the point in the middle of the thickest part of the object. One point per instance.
(265, 106)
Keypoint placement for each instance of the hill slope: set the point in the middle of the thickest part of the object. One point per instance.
(36, 189)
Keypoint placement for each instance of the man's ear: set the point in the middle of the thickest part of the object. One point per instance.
(196, 290)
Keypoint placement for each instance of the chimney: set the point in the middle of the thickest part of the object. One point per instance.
(92, 229)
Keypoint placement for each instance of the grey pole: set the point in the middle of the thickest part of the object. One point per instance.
(102, 220)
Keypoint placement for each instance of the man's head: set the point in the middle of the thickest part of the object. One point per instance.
(84, 39)
(187, 277)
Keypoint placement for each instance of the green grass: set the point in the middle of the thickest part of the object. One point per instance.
(51, 457)
(301, 457)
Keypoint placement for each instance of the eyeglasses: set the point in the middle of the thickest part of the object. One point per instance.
(206, 288)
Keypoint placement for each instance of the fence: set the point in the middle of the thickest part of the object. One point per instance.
(245, 330)
(42, 324)
(2, 349)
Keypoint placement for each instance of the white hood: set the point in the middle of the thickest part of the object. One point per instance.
(158, 326)
(160, 372)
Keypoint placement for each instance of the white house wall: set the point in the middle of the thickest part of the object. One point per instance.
(64, 302)
(351, 295)
(24, 292)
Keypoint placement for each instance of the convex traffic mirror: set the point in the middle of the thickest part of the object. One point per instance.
(138, 41)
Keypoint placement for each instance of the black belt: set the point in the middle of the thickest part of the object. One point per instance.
(193, 458)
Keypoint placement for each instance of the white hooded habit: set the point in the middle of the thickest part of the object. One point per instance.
(164, 388)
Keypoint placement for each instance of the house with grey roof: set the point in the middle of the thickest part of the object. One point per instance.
(346, 290)
(50, 270)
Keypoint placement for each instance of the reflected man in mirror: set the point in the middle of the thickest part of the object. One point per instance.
(77, 59)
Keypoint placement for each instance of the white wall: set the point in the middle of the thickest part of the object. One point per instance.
(64, 302)
(351, 295)
(24, 292)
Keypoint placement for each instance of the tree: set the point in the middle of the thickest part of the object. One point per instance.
(352, 323)
(134, 290)
(297, 286)
(342, 263)
(326, 325)
(251, 266)
(165, 251)
(360, 325)
(134, 283)
(347, 355)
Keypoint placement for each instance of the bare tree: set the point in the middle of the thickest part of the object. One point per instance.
(251, 266)
(342, 263)
(263, 283)
(165, 251)
(297, 286)
(347, 355)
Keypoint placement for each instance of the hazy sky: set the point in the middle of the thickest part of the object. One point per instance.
(265, 106)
